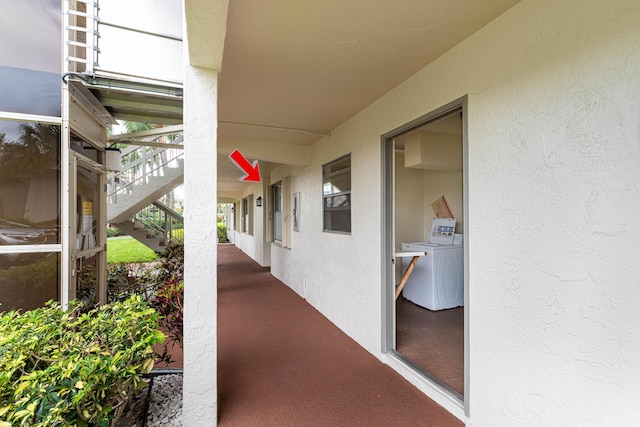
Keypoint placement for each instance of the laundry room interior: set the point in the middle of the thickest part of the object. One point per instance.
(428, 193)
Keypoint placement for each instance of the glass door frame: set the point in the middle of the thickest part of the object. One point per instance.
(99, 250)
(388, 308)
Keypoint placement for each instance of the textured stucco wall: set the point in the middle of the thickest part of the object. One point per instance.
(554, 189)
(200, 237)
(253, 244)
(346, 290)
(204, 42)
(554, 156)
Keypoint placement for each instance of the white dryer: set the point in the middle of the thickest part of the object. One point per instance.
(437, 281)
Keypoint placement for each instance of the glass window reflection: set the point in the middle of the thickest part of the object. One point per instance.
(27, 281)
(29, 183)
(87, 285)
(30, 91)
(30, 64)
(87, 208)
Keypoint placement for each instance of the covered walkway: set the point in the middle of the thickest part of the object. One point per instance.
(281, 363)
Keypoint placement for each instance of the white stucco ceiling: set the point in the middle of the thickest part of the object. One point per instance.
(310, 66)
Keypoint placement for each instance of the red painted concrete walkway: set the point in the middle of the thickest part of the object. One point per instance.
(281, 363)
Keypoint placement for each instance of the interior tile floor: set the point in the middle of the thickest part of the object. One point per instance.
(433, 340)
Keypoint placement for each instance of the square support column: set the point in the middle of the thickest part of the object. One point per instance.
(200, 402)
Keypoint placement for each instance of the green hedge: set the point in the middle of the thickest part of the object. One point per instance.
(222, 232)
(67, 368)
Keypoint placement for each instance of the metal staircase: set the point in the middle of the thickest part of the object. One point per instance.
(152, 164)
(150, 170)
(155, 226)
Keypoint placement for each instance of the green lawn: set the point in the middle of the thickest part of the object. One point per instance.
(128, 250)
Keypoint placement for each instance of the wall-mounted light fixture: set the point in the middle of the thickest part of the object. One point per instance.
(259, 201)
(113, 162)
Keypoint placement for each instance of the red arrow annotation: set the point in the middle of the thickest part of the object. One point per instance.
(251, 170)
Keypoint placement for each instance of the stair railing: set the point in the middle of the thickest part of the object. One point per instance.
(140, 162)
(162, 221)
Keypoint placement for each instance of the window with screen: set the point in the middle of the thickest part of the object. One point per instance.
(277, 212)
(336, 194)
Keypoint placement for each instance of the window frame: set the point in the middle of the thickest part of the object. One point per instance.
(246, 215)
(27, 254)
(275, 189)
(327, 228)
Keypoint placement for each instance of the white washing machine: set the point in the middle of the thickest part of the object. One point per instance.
(437, 281)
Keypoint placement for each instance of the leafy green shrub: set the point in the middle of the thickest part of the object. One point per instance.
(125, 279)
(178, 234)
(86, 292)
(31, 285)
(120, 283)
(222, 232)
(168, 297)
(172, 264)
(113, 231)
(162, 284)
(168, 301)
(67, 368)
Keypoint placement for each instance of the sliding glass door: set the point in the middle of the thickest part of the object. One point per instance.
(424, 275)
